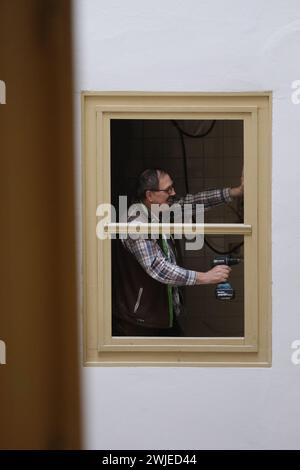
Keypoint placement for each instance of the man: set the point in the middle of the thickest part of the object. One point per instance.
(147, 298)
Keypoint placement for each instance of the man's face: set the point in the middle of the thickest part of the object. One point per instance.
(165, 194)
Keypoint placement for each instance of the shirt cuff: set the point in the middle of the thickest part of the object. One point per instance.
(191, 278)
(226, 195)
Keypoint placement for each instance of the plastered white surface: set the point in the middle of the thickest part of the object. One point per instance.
(193, 45)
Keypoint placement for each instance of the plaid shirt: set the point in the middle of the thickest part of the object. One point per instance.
(154, 261)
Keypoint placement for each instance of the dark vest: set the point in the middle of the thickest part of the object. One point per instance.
(138, 298)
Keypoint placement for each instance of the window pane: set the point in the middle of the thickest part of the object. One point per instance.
(199, 155)
(202, 312)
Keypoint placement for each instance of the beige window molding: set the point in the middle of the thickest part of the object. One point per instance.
(254, 348)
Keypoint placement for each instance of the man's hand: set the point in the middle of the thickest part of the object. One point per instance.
(239, 190)
(214, 275)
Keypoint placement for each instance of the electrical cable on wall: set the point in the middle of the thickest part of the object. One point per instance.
(200, 133)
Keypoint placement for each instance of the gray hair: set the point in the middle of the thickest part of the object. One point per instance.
(148, 180)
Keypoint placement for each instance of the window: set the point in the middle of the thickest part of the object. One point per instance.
(124, 133)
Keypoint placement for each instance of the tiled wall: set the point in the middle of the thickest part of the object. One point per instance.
(214, 161)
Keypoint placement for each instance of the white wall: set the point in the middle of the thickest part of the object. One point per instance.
(203, 45)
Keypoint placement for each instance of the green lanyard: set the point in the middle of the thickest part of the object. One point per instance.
(166, 250)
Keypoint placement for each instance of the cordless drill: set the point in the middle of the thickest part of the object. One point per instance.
(224, 290)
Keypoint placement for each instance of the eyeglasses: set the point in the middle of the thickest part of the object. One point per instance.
(168, 190)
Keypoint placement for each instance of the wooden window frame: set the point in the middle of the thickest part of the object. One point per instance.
(254, 348)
